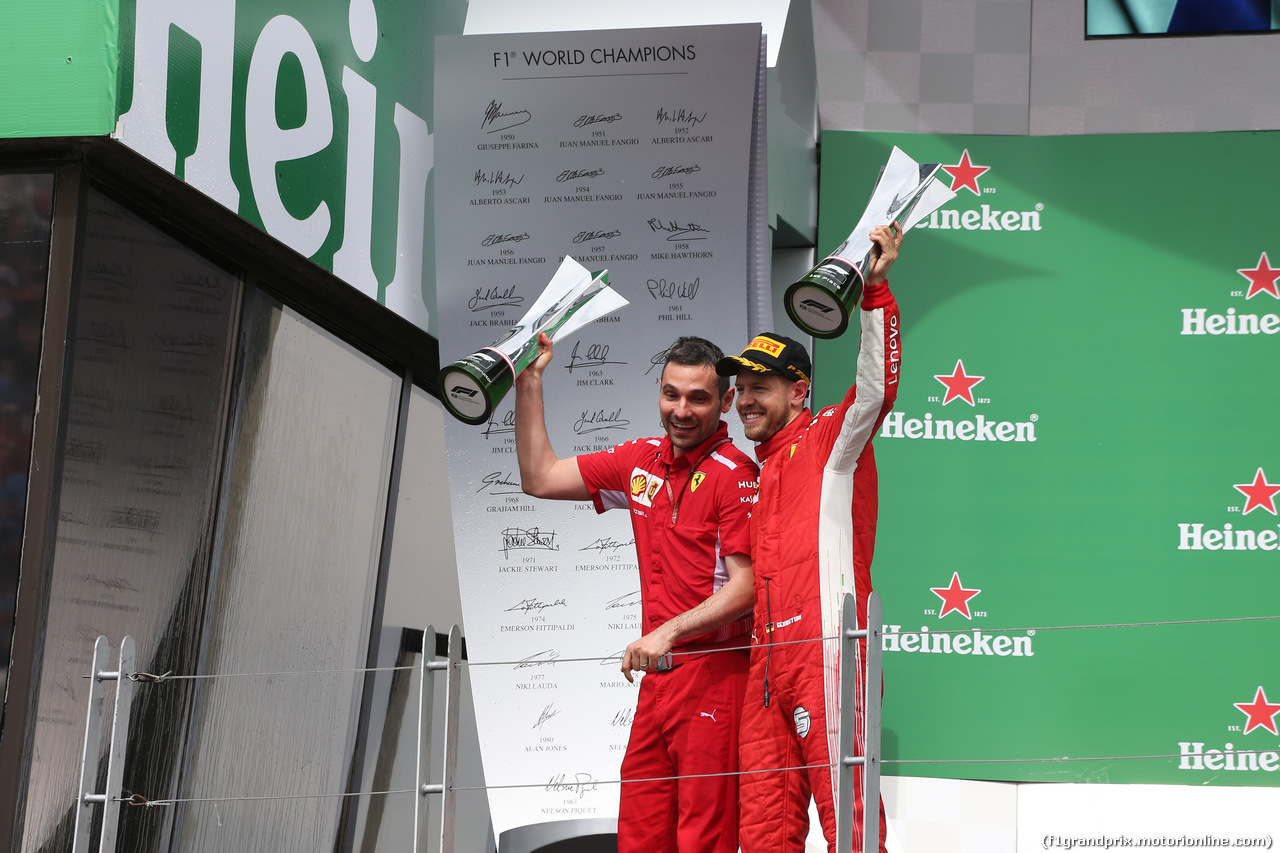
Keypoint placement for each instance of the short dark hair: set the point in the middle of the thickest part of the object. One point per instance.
(692, 351)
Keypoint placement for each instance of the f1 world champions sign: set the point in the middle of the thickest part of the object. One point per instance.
(629, 151)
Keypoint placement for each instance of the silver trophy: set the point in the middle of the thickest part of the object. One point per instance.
(472, 387)
(822, 301)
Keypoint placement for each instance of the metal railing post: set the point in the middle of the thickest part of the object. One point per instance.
(453, 701)
(119, 745)
(869, 761)
(453, 693)
(427, 668)
(110, 798)
(92, 743)
(871, 727)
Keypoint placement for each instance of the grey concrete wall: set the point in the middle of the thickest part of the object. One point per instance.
(1023, 67)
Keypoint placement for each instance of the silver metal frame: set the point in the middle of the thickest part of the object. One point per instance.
(453, 693)
(123, 675)
(110, 798)
(870, 760)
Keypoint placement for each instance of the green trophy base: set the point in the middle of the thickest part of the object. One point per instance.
(822, 302)
(472, 387)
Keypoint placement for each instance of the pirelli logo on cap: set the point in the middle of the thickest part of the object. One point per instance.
(644, 486)
(766, 345)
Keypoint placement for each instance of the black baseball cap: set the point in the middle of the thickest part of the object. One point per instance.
(770, 353)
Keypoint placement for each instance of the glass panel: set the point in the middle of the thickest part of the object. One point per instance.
(294, 591)
(146, 401)
(422, 587)
(26, 210)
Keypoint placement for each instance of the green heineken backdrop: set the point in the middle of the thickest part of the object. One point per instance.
(58, 68)
(1085, 435)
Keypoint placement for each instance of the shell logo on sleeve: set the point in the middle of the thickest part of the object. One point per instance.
(644, 486)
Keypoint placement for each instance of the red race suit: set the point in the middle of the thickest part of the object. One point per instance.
(688, 512)
(812, 535)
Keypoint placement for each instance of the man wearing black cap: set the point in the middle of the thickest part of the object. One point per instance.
(812, 537)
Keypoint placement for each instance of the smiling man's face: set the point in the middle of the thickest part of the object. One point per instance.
(690, 404)
(766, 403)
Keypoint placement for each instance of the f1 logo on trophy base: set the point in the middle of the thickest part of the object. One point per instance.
(472, 387)
(822, 301)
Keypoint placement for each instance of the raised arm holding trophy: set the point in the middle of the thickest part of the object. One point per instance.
(823, 300)
(472, 387)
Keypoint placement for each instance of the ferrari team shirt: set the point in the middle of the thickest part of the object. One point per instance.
(687, 512)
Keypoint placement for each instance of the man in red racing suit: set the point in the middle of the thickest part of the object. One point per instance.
(812, 533)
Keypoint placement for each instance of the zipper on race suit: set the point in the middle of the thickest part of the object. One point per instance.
(675, 499)
(768, 638)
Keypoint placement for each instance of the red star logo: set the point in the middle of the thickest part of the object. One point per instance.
(959, 385)
(1260, 494)
(1262, 278)
(1261, 713)
(965, 175)
(956, 597)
